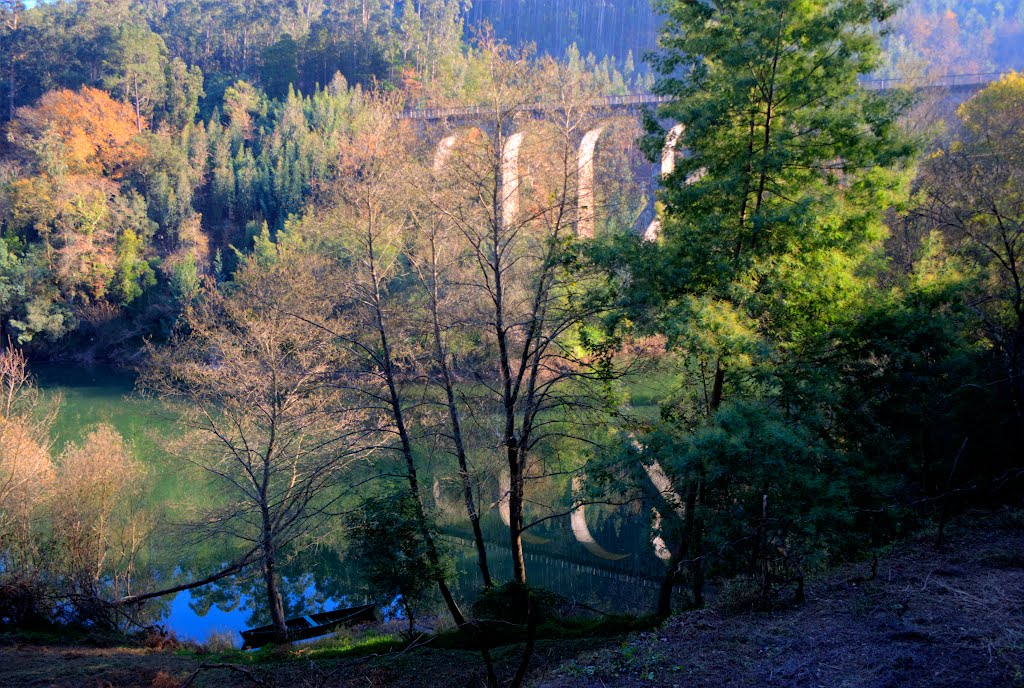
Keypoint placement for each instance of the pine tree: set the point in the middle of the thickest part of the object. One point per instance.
(789, 169)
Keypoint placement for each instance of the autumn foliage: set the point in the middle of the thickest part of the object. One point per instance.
(69, 526)
(92, 132)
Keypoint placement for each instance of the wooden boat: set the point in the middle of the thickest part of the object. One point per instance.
(310, 626)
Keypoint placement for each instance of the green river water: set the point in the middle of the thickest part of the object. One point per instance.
(319, 579)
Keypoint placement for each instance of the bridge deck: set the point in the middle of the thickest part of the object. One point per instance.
(950, 82)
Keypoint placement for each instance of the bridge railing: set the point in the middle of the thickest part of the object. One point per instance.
(948, 82)
(474, 111)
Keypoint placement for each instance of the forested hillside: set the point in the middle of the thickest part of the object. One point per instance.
(145, 143)
(928, 36)
(935, 37)
(624, 29)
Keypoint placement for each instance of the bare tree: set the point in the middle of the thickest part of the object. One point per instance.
(369, 225)
(253, 368)
(436, 255)
(973, 194)
(27, 472)
(510, 195)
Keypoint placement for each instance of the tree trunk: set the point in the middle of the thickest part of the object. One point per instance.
(690, 541)
(508, 393)
(474, 520)
(668, 584)
(273, 593)
(531, 639)
(12, 81)
(411, 619)
(10, 91)
(138, 105)
(268, 542)
(679, 555)
(456, 426)
(414, 487)
(697, 547)
(223, 573)
(387, 368)
(245, 47)
(515, 514)
(432, 555)
(716, 390)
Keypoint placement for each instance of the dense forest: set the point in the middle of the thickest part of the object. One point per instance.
(927, 37)
(146, 142)
(224, 115)
(346, 314)
(619, 28)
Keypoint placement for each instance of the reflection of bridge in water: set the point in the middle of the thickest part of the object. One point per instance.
(620, 539)
(955, 86)
(604, 586)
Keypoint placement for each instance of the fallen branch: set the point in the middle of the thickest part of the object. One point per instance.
(246, 672)
(224, 573)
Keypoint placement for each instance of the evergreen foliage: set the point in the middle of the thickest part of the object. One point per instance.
(815, 412)
(392, 557)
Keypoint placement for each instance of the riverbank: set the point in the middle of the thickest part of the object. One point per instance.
(952, 617)
(380, 664)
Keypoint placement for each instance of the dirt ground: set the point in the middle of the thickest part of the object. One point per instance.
(55, 667)
(952, 618)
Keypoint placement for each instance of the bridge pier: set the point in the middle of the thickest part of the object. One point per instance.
(586, 214)
(510, 178)
(668, 166)
(444, 151)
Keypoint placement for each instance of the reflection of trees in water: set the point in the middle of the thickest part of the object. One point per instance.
(321, 578)
(321, 575)
(310, 580)
(316, 577)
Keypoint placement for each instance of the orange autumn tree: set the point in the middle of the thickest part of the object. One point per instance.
(84, 132)
(82, 233)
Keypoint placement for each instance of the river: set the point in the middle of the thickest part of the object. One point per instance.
(613, 569)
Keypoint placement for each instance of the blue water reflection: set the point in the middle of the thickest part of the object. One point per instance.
(236, 604)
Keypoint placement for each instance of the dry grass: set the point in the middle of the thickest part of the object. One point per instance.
(164, 680)
(219, 641)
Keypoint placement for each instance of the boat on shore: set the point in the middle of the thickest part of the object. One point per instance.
(309, 626)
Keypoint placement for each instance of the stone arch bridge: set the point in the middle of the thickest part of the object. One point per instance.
(953, 89)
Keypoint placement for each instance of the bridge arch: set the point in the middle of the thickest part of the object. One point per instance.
(511, 174)
(509, 178)
(623, 131)
(669, 153)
